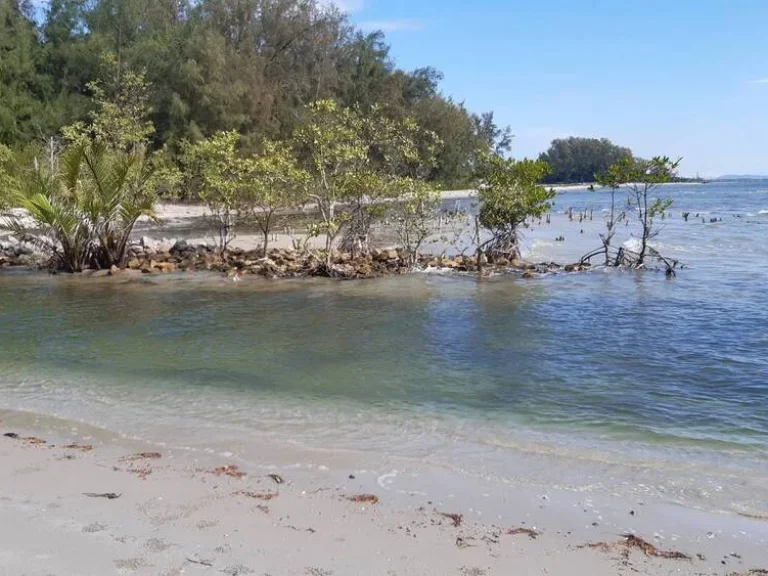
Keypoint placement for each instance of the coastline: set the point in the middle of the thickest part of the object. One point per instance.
(175, 514)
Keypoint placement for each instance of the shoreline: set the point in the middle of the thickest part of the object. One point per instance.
(176, 515)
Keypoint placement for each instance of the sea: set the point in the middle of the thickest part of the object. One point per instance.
(627, 382)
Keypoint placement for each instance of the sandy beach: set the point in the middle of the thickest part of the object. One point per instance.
(81, 501)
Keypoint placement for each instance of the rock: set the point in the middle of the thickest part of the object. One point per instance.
(179, 247)
(572, 268)
(164, 267)
(114, 270)
(518, 264)
(134, 264)
(392, 254)
(452, 264)
(146, 242)
(528, 275)
(501, 262)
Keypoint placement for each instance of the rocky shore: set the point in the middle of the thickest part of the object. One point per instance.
(151, 256)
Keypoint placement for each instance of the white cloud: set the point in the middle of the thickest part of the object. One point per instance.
(760, 81)
(402, 25)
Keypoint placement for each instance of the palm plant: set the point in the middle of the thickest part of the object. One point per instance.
(85, 208)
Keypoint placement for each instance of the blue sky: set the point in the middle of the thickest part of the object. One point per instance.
(681, 77)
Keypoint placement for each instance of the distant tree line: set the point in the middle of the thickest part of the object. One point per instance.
(576, 160)
(244, 66)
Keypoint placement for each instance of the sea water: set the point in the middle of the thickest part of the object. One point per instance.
(627, 382)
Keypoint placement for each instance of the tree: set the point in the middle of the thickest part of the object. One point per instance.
(218, 172)
(331, 140)
(413, 215)
(8, 181)
(121, 118)
(613, 218)
(274, 183)
(509, 193)
(642, 178)
(581, 159)
(22, 113)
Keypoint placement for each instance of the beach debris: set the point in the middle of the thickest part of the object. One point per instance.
(531, 533)
(230, 470)
(753, 572)
(140, 472)
(351, 476)
(236, 570)
(276, 478)
(312, 571)
(80, 447)
(457, 519)
(11, 435)
(208, 563)
(266, 496)
(107, 495)
(141, 456)
(630, 541)
(364, 498)
(462, 543)
(264, 508)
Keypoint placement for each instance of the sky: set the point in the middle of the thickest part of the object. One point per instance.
(683, 78)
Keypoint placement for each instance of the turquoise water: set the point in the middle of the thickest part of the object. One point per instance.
(607, 374)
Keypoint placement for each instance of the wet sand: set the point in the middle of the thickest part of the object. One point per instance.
(81, 501)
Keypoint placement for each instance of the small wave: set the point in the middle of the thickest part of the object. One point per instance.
(762, 212)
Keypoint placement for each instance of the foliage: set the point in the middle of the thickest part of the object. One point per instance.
(121, 118)
(413, 215)
(362, 160)
(575, 160)
(274, 183)
(509, 193)
(8, 181)
(86, 206)
(216, 169)
(201, 67)
(641, 178)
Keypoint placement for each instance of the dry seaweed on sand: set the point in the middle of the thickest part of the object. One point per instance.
(364, 498)
(532, 534)
(630, 541)
(457, 519)
(80, 447)
(753, 572)
(230, 470)
(266, 496)
(141, 456)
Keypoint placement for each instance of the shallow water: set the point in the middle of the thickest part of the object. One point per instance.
(629, 382)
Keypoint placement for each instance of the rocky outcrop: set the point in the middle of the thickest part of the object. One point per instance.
(149, 256)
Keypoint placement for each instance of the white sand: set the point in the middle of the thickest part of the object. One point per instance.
(182, 518)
